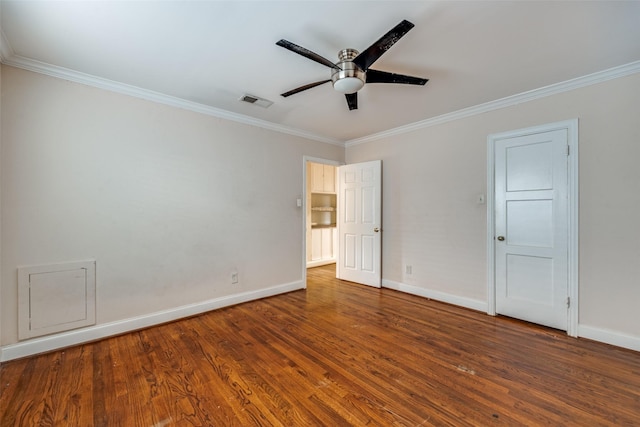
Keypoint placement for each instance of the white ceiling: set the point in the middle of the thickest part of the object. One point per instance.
(212, 52)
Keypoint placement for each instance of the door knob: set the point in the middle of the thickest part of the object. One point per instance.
(377, 230)
(501, 238)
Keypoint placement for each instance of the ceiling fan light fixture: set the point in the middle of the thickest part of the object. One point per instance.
(349, 78)
(348, 85)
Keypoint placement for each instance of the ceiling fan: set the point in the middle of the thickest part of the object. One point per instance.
(352, 70)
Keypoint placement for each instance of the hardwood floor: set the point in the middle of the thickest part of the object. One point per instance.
(337, 354)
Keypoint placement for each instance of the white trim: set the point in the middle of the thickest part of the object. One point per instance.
(2, 47)
(93, 333)
(149, 95)
(323, 161)
(509, 101)
(574, 229)
(609, 337)
(470, 303)
(573, 233)
(304, 220)
(491, 228)
(8, 57)
(6, 51)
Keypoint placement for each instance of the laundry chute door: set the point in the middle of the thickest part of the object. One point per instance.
(359, 223)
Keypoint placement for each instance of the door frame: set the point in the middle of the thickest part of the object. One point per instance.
(306, 159)
(572, 193)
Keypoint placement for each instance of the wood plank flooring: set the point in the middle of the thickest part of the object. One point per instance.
(337, 354)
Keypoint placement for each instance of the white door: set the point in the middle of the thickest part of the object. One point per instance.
(531, 227)
(359, 223)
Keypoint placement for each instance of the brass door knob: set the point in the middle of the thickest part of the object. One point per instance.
(501, 238)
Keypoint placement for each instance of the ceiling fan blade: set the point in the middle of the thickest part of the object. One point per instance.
(306, 53)
(352, 100)
(375, 51)
(375, 76)
(305, 87)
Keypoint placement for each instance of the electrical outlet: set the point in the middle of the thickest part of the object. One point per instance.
(408, 269)
(234, 277)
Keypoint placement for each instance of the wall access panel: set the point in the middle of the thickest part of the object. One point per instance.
(55, 298)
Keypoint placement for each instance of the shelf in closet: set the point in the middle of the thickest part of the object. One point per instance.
(323, 208)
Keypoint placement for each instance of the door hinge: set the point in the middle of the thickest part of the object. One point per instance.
(568, 150)
(568, 302)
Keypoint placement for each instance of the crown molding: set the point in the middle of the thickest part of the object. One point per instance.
(149, 95)
(8, 57)
(554, 89)
(5, 48)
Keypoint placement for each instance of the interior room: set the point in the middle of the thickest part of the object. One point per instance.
(165, 160)
(321, 211)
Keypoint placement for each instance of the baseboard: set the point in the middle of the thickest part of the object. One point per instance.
(606, 336)
(436, 295)
(609, 337)
(97, 332)
(93, 333)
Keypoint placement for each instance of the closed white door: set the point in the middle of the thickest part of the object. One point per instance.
(359, 223)
(531, 227)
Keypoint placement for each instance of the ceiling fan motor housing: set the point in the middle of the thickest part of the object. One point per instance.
(350, 78)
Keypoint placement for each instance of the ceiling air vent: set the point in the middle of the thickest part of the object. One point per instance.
(256, 100)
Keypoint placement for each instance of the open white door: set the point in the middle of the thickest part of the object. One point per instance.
(360, 223)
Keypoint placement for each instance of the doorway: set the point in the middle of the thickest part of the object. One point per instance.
(317, 193)
(321, 214)
(532, 229)
(342, 222)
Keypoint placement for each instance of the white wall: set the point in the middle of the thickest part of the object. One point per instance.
(432, 177)
(170, 201)
(167, 201)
